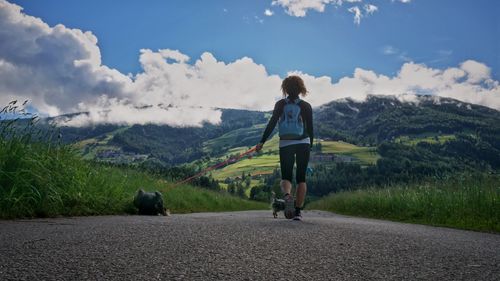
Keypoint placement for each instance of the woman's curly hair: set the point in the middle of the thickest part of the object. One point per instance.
(293, 85)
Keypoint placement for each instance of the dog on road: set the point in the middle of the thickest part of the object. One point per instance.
(276, 204)
(149, 203)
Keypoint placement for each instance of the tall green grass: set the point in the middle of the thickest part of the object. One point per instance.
(38, 181)
(41, 178)
(187, 199)
(466, 202)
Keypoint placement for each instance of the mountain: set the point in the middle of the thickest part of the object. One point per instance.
(375, 142)
(446, 126)
(380, 119)
(161, 143)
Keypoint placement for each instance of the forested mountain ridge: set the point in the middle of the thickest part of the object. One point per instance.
(374, 122)
(162, 144)
(380, 119)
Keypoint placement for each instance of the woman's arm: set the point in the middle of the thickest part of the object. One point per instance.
(271, 124)
(309, 123)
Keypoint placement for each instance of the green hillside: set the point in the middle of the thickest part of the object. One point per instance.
(362, 155)
(226, 142)
(381, 119)
(378, 141)
(268, 159)
(433, 121)
(99, 147)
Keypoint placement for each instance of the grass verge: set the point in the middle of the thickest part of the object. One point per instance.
(47, 180)
(465, 202)
(186, 199)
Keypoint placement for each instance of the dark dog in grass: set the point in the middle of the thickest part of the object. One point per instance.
(277, 204)
(149, 203)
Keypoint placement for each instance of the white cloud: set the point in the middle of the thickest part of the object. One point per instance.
(370, 9)
(470, 82)
(50, 65)
(299, 8)
(121, 111)
(268, 12)
(476, 72)
(206, 82)
(60, 70)
(357, 14)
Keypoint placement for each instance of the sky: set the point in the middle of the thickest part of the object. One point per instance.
(176, 62)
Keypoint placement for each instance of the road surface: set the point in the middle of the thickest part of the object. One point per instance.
(242, 246)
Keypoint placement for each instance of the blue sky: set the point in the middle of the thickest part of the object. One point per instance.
(438, 33)
(177, 62)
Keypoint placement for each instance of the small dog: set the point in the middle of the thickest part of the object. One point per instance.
(276, 204)
(150, 203)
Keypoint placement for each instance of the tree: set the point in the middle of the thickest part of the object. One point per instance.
(240, 191)
(231, 188)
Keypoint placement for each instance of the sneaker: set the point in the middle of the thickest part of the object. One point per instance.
(298, 216)
(289, 206)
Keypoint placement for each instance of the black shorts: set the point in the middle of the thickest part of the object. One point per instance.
(289, 155)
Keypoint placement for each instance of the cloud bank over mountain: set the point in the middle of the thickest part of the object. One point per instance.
(60, 70)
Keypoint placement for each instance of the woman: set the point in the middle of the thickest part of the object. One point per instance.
(296, 139)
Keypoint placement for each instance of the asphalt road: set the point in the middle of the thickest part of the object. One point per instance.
(242, 246)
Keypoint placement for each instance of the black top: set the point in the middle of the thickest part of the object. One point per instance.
(305, 112)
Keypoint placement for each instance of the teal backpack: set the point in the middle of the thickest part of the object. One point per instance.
(291, 126)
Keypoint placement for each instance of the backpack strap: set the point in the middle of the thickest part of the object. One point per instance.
(296, 101)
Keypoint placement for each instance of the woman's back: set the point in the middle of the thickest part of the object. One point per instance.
(296, 139)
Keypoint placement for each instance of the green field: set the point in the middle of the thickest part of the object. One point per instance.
(261, 164)
(433, 139)
(364, 155)
(266, 161)
(468, 202)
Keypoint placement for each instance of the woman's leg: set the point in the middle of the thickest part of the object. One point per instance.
(301, 194)
(287, 159)
(286, 186)
(303, 152)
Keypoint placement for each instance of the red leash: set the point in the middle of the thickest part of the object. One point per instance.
(230, 160)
